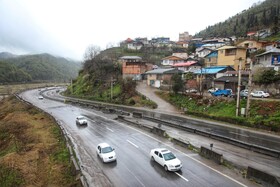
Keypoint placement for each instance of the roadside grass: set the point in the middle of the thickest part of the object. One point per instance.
(32, 150)
(264, 114)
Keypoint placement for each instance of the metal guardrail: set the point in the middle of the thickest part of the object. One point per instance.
(253, 147)
(155, 116)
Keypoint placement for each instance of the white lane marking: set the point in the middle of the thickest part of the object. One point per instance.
(132, 143)
(109, 129)
(239, 134)
(134, 176)
(182, 176)
(188, 156)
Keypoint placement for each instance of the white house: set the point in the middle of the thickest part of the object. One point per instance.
(269, 59)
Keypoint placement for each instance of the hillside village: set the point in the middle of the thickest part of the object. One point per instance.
(213, 62)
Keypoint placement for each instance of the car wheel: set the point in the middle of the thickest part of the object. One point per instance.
(262, 96)
(152, 158)
(165, 168)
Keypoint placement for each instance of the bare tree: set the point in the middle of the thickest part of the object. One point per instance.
(91, 52)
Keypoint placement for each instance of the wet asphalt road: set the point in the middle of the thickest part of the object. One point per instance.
(133, 166)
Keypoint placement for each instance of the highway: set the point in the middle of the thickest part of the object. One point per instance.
(133, 166)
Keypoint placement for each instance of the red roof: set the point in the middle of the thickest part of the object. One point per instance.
(128, 40)
(189, 63)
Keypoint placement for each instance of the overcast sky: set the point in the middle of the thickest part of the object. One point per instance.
(67, 27)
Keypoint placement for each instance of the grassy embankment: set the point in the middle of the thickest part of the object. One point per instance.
(33, 151)
(84, 89)
(264, 114)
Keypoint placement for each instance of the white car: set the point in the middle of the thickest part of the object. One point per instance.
(81, 120)
(40, 97)
(261, 94)
(166, 159)
(106, 152)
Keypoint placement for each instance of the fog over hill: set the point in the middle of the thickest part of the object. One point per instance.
(36, 68)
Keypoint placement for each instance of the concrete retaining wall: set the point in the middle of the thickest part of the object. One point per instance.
(217, 157)
(180, 142)
(137, 114)
(158, 131)
(264, 178)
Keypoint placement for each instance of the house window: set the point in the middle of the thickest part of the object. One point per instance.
(230, 52)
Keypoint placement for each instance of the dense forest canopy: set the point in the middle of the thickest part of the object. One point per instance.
(262, 15)
(36, 68)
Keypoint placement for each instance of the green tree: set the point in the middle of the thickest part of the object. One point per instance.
(266, 77)
(275, 27)
(177, 83)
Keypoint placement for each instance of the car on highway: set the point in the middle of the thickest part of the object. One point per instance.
(261, 94)
(166, 159)
(106, 152)
(81, 120)
(40, 97)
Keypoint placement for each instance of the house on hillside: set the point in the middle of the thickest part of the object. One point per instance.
(252, 45)
(268, 59)
(202, 52)
(231, 55)
(159, 77)
(213, 46)
(189, 66)
(230, 80)
(161, 42)
(133, 66)
(182, 44)
(207, 75)
(171, 60)
(211, 59)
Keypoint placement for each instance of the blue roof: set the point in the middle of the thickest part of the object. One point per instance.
(212, 54)
(210, 70)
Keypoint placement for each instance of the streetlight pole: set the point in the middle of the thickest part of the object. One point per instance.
(238, 88)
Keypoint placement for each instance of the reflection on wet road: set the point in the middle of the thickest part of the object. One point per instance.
(132, 146)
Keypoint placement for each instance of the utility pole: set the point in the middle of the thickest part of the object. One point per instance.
(111, 88)
(238, 88)
(249, 90)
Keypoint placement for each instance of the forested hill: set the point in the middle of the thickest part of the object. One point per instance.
(36, 68)
(262, 15)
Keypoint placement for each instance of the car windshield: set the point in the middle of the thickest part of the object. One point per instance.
(107, 150)
(169, 156)
(81, 118)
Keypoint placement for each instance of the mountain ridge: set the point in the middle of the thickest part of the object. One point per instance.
(36, 68)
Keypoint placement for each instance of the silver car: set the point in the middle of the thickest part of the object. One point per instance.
(261, 94)
(244, 94)
(81, 120)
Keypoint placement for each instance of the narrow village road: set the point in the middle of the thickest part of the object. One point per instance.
(149, 92)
